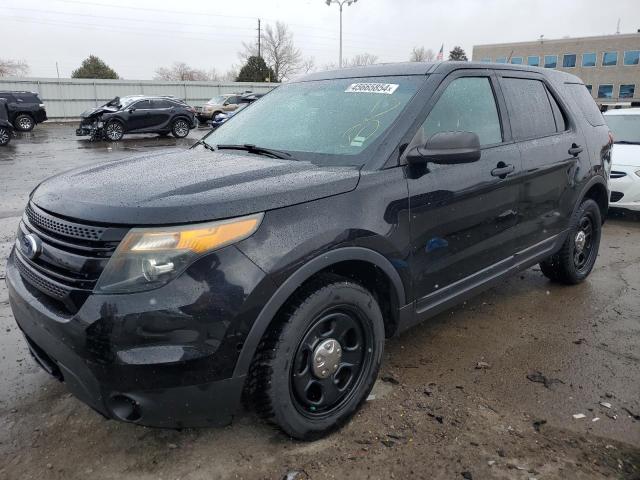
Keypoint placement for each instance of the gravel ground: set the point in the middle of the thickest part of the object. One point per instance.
(453, 400)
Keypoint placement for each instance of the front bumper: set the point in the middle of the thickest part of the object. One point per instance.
(625, 187)
(161, 358)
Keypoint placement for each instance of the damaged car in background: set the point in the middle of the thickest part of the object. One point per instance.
(137, 114)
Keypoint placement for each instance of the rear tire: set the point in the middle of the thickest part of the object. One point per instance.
(319, 361)
(575, 260)
(180, 128)
(24, 122)
(5, 136)
(114, 131)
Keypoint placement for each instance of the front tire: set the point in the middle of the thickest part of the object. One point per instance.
(575, 260)
(24, 122)
(319, 362)
(180, 128)
(5, 136)
(114, 131)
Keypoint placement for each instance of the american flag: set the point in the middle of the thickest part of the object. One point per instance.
(440, 53)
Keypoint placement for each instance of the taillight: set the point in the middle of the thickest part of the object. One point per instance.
(610, 138)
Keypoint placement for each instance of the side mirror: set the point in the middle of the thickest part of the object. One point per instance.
(447, 148)
(131, 110)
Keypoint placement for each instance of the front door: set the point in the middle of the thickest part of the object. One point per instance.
(138, 115)
(462, 216)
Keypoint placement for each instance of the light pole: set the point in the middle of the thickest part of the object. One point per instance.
(341, 4)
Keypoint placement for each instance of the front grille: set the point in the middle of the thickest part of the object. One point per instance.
(63, 227)
(616, 196)
(71, 259)
(617, 174)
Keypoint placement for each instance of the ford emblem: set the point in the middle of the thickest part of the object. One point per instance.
(31, 246)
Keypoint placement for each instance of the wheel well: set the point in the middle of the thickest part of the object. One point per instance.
(373, 279)
(598, 193)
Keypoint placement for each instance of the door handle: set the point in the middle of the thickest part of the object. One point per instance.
(502, 170)
(575, 150)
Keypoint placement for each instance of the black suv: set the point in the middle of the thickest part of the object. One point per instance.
(25, 109)
(271, 261)
(138, 114)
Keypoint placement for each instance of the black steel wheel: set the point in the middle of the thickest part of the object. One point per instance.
(320, 359)
(329, 361)
(5, 136)
(575, 260)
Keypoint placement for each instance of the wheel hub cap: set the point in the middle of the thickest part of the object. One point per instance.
(580, 241)
(326, 358)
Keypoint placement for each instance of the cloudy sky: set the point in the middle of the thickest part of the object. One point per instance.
(136, 38)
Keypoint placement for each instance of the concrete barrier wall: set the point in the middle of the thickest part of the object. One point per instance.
(67, 98)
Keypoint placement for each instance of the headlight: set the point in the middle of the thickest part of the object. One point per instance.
(148, 258)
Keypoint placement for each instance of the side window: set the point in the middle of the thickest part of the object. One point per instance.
(141, 105)
(585, 102)
(157, 104)
(233, 100)
(530, 111)
(467, 105)
(561, 119)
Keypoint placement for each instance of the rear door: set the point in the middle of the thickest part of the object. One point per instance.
(550, 146)
(160, 113)
(462, 216)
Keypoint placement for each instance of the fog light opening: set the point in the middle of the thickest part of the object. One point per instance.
(125, 408)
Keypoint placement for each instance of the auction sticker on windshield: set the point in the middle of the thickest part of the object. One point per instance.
(385, 88)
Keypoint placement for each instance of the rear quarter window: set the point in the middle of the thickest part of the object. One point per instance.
(27, 98)
(586, 104)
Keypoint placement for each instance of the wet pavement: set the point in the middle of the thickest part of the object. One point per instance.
(461, 396)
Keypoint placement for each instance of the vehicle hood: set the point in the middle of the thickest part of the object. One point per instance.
(97, 111)
(625, 155)
(188, 186)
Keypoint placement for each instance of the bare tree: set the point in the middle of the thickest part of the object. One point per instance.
(180, 71)
(13, 68)
(361, 60)
(420, 54)
(278, 51)
(308, 65)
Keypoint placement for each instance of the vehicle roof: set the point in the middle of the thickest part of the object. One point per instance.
(425, 68)
(623, 111)
(18, 91)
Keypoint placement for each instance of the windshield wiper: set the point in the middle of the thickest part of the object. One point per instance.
(257, 150)
(204, 144)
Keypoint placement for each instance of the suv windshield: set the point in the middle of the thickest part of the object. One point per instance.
(625, 128)
(324, 121)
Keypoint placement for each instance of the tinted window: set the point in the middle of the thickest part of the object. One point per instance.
(8, 97)
(569, 60)
(561, 122)
(590, 88)
(632, 57)
(142, 105)
(26, 97)
(588, 59)
(550, 61)
(232, 100)
(586, 103)
(605, 91)
(609, 59)
(533, 60)
(530, 111)
(466, 105)
(627, 91)
(161, 104)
